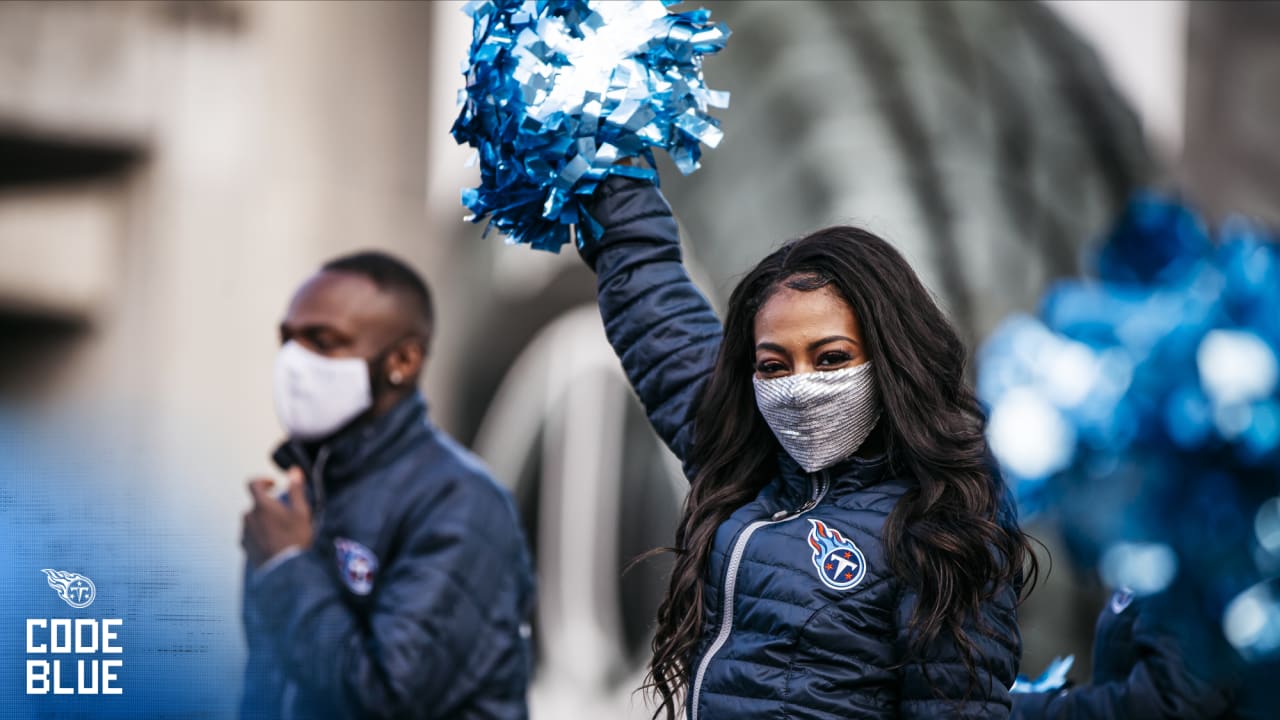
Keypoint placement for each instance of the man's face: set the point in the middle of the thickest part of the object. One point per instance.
(339, 314)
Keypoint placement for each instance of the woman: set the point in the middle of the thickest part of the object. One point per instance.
(845, 550)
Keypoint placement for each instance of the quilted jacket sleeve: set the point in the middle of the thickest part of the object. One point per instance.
(262, 679)
(938, 684)
(1158, 686)
(662, 328)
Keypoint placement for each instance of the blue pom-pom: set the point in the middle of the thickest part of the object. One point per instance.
(1142, 409)
(1156, 238)
(558, 91)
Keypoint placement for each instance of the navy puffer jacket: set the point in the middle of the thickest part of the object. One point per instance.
(804, 618)
(414, 598)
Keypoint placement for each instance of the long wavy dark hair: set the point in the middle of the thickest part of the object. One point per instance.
(952, 536)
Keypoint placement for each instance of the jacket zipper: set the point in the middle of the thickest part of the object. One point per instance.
(290, 693)
(820, 485)
(317, 486)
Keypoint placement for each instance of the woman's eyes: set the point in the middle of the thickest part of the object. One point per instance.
(769, 368)
(826, 360)
(830, 359)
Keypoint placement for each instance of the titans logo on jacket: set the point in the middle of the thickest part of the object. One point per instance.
(839, 562)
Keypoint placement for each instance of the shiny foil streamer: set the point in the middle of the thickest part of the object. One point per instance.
(558, 91)
(1052, 679)
(1140, 411)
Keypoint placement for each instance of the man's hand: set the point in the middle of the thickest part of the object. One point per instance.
(271, 525)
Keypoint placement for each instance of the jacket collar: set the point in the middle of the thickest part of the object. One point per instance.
(848, 475)
(361, 447)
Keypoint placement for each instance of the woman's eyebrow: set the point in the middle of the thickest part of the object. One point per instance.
(812, 346)
(833, 338)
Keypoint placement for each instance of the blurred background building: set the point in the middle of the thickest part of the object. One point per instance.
(169, 172)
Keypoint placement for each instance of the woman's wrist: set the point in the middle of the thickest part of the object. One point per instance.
(624, 209)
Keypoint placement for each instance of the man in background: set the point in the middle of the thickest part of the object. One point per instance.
(393, 578)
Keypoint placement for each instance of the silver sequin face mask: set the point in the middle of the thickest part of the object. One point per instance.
(820, 417)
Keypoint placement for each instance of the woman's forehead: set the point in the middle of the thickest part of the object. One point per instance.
(791, 314)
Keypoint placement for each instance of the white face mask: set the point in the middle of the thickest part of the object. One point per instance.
(820, 418)
(317, 395)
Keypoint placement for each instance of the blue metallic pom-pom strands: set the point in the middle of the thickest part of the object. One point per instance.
(559, 90)
(1142, 409)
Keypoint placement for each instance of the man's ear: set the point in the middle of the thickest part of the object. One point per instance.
(405, 362)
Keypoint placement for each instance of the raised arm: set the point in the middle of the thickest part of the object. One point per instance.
(659, 324)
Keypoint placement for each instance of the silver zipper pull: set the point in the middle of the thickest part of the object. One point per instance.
(819, 489)
(780, 514)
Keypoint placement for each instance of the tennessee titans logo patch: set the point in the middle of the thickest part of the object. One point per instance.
(357, 565)
(839, 562)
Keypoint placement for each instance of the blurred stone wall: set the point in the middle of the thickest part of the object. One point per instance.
(1231, 161)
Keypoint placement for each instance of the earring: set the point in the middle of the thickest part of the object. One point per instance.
(396, 377)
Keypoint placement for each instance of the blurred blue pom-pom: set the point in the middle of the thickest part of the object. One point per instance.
(1153, 239)
(559, 90)
(1141, 409)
